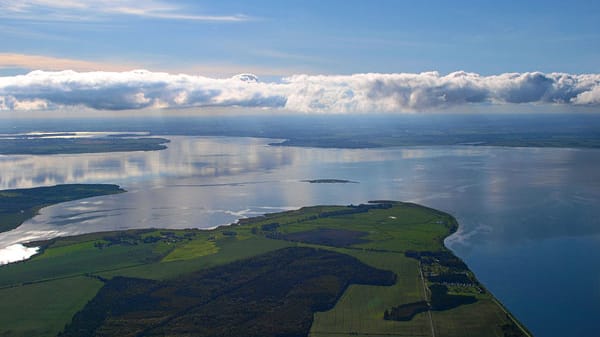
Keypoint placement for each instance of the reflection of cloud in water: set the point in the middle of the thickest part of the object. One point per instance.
(16, 253)
(97, 202)
(12, 251)
(464, 188)
(80, 219)
(185, 157)
(201, 182)
(242, 183)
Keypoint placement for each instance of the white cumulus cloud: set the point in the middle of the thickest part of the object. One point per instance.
(371, 92)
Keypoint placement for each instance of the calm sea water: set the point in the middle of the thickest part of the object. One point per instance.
(530, 218)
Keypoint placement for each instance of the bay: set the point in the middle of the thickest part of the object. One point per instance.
(530, 222)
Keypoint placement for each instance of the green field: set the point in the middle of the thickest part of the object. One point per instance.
(360, 310)
(403, 238)
(42, 309)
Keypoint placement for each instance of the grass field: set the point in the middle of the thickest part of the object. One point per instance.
(43, 309)
(79, 260)
(270, 295)
(70, 270)
(360, 310)
(412, 229)
(229, 251)
(191, 250)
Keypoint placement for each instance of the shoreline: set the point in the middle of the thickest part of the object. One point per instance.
(266, 231)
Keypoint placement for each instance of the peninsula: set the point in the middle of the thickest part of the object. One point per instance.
(45, 146)
(18, 205)
(378, 268)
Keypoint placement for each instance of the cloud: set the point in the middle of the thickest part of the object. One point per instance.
(68, 10)
(135, 90)
(591, 97)
(359, 93)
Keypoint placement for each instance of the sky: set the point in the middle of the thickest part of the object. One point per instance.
(306, 56)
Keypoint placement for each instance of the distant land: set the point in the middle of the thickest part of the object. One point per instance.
(329, 181)
(376, 268)
(44, 146)
(470, 140)
(351, 131)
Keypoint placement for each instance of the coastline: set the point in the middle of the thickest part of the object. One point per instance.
(516, 321)
(167, 253)
(20, 205)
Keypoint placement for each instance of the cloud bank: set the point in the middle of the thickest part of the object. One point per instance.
(359, 93)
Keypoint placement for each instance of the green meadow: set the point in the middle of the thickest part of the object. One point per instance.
(42, 295)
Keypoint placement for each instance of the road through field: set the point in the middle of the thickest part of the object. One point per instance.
(425, 294)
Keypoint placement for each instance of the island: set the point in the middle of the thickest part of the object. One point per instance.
(378, 268)
(329, 181)
(45, 146)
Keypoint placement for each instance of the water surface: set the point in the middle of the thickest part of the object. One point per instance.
(530, 225)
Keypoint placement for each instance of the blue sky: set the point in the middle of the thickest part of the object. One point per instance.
(376, 56)
(330, 37)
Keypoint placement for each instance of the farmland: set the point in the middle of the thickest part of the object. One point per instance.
(74, 278)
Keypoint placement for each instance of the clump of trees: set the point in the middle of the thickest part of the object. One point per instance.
(406, 312)
(352, 209)
(440, 301)
(270, 227)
